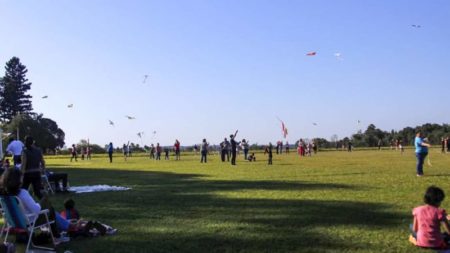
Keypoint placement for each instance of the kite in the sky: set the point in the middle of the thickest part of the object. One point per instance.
(284, 130)
(70, 106)
(130, 117)
(140, 134)
(359, 121)
(416, 26)
(338, 56)
(311, 53)
(145, 78)
(314, 123)
(111, 123)
(45, 97)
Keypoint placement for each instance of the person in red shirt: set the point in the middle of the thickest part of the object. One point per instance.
(176, 147)
(428, 218)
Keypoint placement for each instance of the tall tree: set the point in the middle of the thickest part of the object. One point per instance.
(45, 132)
(13, 91)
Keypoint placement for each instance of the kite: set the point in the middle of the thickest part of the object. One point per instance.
(70, 106)
(338, 56)
(311, 53)
(111, 123)
(416, 26)
(45, 97)
(284, 130)
(145, 78)
(130, 117)
(140, 134)
(314, 123)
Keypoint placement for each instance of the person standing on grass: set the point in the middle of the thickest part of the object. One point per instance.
(421, 152)
(176, 147)
(15, 147)
(234, 144)
(166, 153)
(204, 151)
(269, 151)
(32, 160)
(110, 150)
(287, 147)
(74, 153)
(245, 147)
(158, 151)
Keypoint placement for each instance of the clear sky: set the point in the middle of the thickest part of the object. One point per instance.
(215, 66)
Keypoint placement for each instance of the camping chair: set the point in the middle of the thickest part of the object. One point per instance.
(47, 185)
(15, 218)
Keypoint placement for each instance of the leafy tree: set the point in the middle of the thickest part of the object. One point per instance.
(13, 91)
(46, 133)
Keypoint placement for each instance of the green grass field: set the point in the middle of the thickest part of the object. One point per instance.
(332, 202)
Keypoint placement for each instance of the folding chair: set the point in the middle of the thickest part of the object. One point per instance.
(47, 185)
(15, 218)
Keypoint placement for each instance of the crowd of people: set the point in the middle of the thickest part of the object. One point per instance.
(28, 170)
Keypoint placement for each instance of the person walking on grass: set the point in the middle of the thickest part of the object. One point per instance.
(234, 145)
(421, 152)
(204, 151)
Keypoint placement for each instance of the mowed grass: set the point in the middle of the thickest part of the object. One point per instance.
(332, 202)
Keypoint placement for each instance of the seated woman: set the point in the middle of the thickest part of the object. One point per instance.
(11, 183)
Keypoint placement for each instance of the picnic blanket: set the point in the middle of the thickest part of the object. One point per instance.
(97, 188)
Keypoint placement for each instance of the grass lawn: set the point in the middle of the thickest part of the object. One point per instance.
(333, 202)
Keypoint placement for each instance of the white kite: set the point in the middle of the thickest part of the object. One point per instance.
(338, 56)
(130, 117)
(70, 106)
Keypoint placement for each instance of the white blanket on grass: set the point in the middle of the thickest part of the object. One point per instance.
(97, 188)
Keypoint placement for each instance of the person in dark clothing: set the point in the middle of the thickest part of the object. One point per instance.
(57, 177)
(32, 160)
(234, 144)
(269, 151)
(204, 151)
(110, 150)
(225, 145)
(166, 153)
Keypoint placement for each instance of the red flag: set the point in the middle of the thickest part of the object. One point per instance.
(311, 54)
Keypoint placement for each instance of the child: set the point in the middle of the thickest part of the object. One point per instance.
(69, 212)
(428, 218)
(251, 158)
(79, 226)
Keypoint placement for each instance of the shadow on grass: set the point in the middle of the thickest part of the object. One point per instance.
(168, 212)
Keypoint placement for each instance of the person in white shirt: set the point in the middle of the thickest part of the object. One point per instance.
(15, 148)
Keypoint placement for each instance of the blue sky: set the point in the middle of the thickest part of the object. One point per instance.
(217, 66)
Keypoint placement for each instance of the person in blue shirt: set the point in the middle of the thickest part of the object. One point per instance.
(110, 150)
(421, 152)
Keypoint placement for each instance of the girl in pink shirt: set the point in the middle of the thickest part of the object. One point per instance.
(428, 218)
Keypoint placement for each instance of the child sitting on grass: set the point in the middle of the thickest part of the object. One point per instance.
(426, 227)
(79, 226)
